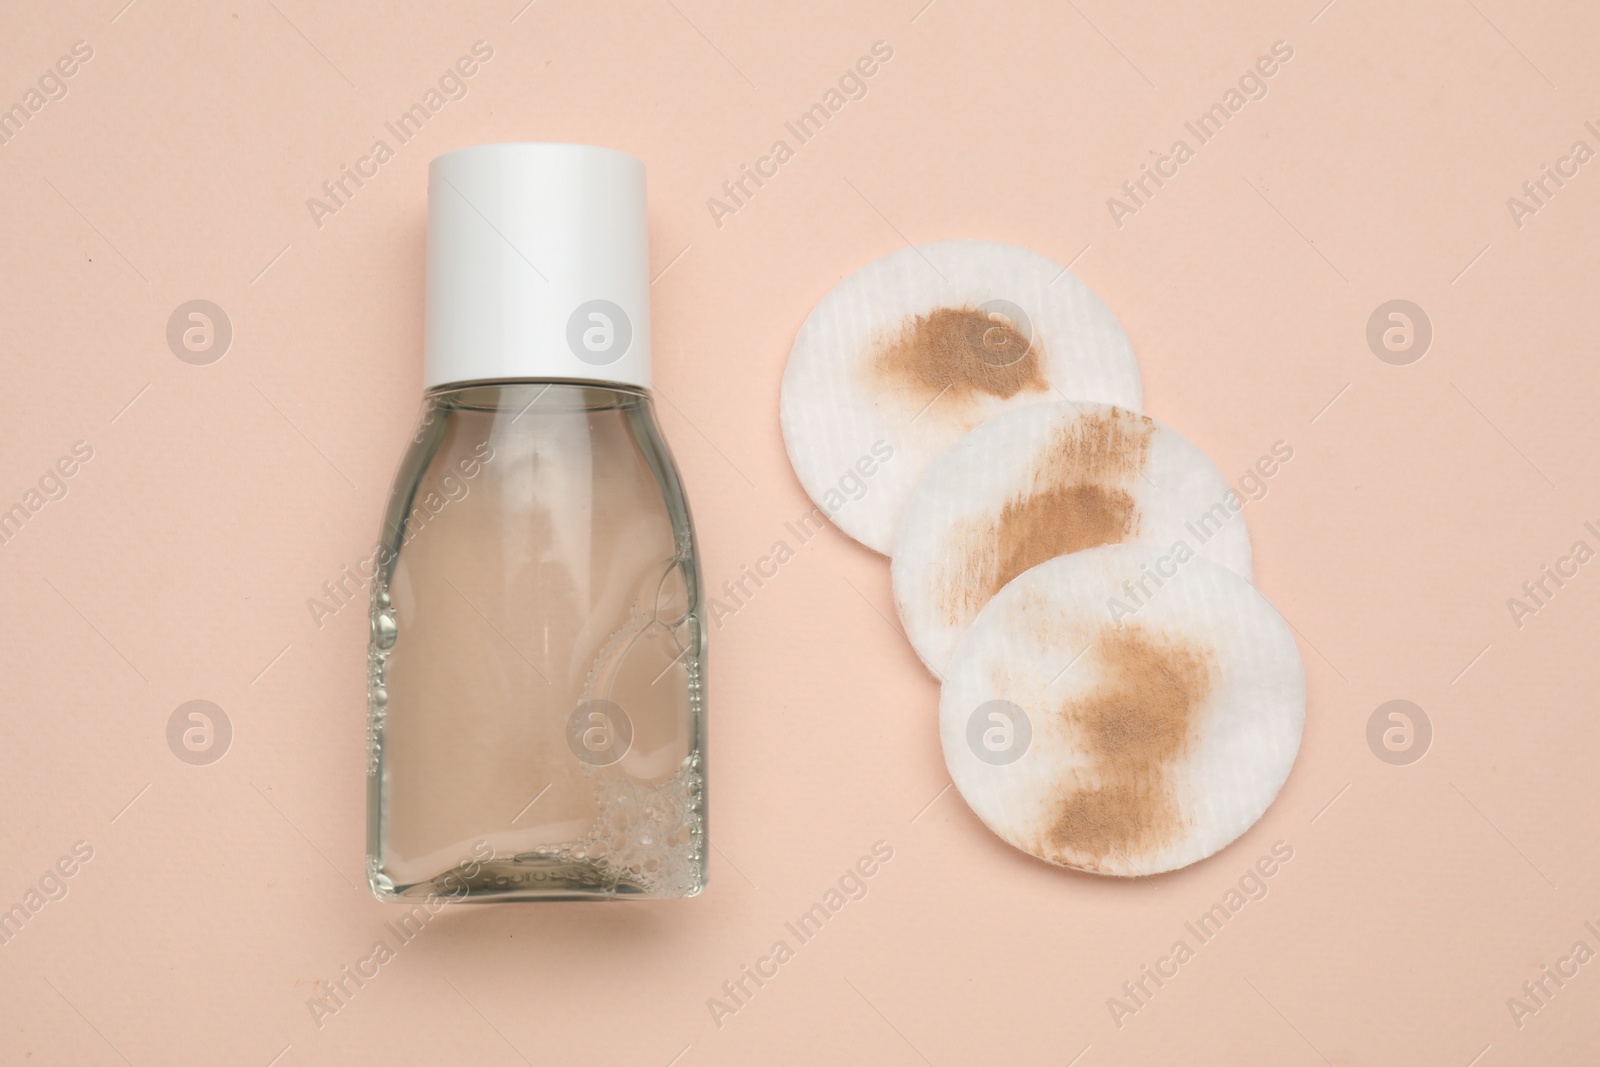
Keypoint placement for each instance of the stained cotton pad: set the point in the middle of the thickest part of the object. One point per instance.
(1124, 710)
(915, 349)
(1042, 481)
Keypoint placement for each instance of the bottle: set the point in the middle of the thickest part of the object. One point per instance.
(536, 672)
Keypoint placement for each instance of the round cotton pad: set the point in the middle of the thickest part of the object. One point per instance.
(1042, 481)
(917, 348)
(1124, 710)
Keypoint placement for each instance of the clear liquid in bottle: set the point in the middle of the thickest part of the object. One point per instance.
(537, 656)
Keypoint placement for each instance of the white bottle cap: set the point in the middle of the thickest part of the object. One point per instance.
(538, 266)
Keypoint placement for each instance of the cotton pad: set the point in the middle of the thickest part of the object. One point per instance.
(1125, 710)
(1042, 481)
(917, 348)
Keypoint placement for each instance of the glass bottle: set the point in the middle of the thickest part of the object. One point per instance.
(536, 669)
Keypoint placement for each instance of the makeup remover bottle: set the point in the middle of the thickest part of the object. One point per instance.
(536, 672)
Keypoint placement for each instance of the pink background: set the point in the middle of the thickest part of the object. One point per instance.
(220, 498)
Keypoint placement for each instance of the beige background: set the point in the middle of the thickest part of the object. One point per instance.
(221, 497)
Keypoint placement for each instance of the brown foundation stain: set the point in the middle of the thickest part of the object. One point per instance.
(1077, 499)
(962, 352)
(1136, 724)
